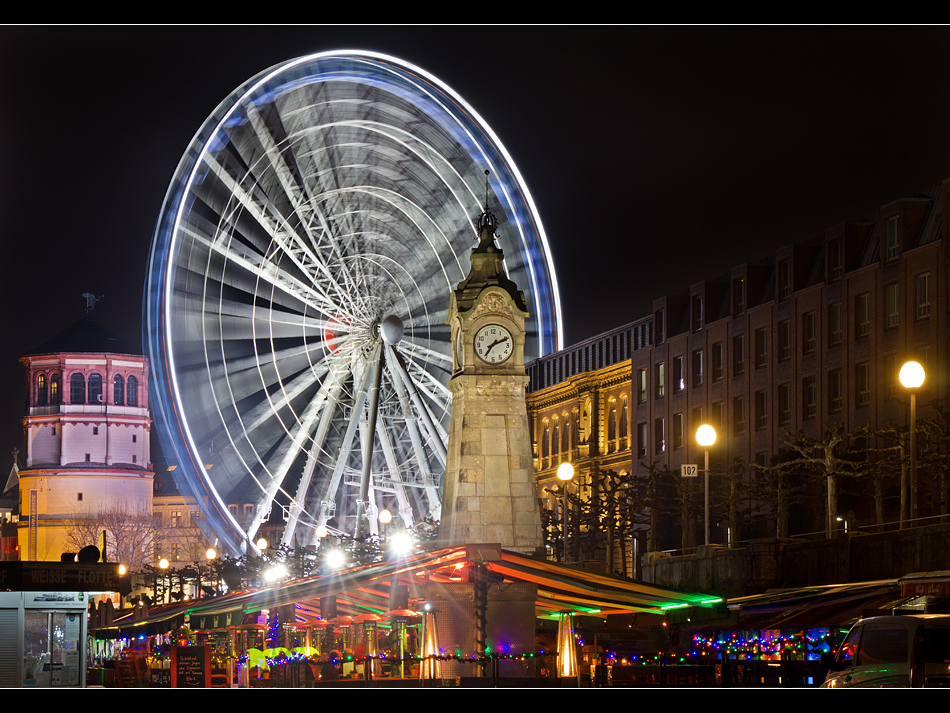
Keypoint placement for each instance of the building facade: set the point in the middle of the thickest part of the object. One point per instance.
(809, 339)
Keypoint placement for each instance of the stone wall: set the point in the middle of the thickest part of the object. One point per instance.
(774, 563)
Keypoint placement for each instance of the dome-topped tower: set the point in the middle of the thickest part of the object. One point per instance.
(87, 435)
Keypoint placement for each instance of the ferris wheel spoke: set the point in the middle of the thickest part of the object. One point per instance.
(282, 235)
(330, 491)
(257, 267)
(294, 442)
(421, 459)
(389, 454)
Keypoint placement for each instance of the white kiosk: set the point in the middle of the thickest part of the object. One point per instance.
(43, 613)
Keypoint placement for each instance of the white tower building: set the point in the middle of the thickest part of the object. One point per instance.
(87, 436)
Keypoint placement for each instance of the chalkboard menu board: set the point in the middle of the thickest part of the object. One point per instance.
(191, 667)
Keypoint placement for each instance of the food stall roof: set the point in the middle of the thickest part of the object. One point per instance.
(561, 589)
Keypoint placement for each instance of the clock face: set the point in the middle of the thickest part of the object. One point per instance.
(493, 344)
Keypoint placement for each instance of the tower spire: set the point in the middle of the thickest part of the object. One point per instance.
(486, 225)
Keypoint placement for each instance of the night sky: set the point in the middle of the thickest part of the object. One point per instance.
(657, 156)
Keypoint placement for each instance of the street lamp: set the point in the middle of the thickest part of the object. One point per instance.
(706, 436)
(565, 473)
(912, 376)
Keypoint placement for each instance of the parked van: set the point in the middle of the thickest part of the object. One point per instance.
(893, 652)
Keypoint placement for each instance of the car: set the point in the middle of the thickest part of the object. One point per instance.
(893, 652)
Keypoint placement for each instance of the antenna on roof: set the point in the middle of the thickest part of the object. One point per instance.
(91, 300)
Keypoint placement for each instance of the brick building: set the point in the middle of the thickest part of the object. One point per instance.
(810, 336)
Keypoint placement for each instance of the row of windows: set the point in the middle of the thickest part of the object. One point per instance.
(81, 392)
(761, 341)
(560, 435)
(835, 395)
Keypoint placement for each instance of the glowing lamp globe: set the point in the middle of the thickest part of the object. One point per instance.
(912, 375)
(565, 471)
(706, 435)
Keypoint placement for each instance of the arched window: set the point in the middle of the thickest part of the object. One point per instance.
(77, 389)
(575, 425)
(556, 438)
(612, 426)
(132, 392)
(118, 390)
(54, 393)
(545, 443)
(41, 395)
(624, 421)
(95, 388)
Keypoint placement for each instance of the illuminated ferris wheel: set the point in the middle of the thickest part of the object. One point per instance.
(298, 286)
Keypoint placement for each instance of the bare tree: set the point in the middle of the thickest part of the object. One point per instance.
(131, 534)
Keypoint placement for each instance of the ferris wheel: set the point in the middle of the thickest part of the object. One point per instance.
(298, 286)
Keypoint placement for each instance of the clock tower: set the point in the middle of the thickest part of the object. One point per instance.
(489, 491)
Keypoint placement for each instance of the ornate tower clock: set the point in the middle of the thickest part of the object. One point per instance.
(489, 488)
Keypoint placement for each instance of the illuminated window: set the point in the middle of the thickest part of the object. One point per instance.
(659, 377)
(54, 392)
(41, 395)
(118, 390)
(697, 368)
(641, 386)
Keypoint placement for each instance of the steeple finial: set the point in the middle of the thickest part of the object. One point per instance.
(486, 224)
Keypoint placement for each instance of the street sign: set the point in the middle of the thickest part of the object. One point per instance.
(689, 470)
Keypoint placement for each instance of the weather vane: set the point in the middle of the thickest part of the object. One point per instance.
(91, 300)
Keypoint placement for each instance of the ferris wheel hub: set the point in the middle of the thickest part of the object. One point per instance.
(391, 330)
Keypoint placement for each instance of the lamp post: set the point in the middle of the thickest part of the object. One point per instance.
(565, 473)
(912, 376)
(163, 565)
(706, 436)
